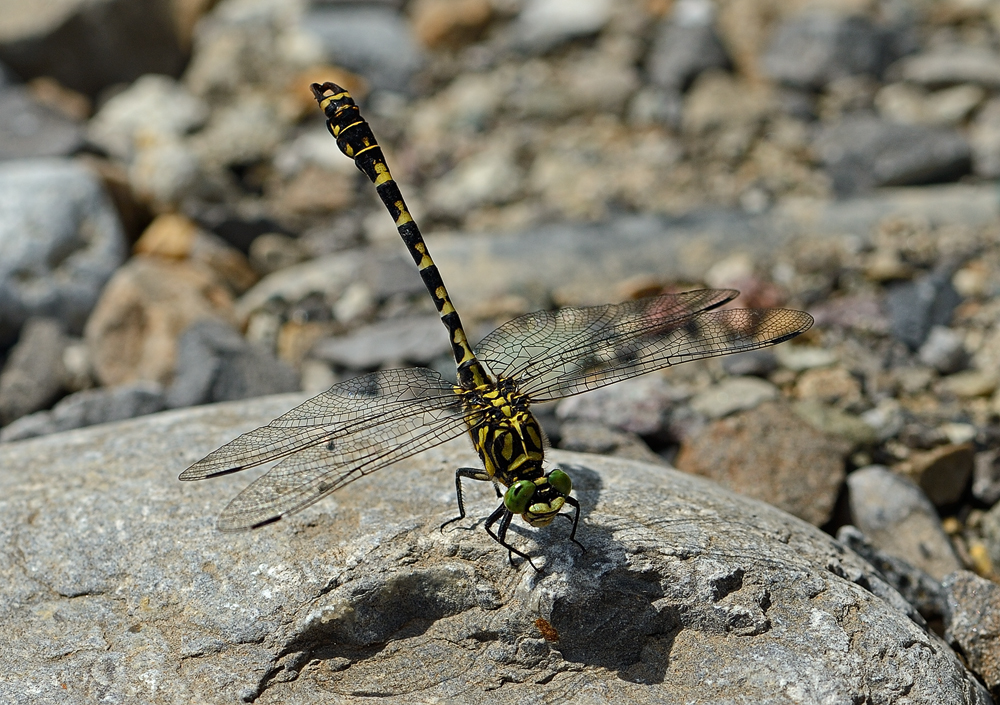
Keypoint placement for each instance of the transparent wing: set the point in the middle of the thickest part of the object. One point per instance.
(554, 354)
(353, 429)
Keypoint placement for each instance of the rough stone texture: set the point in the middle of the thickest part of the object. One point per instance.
(681, 51)
(29, 130)
(34, 374)
(920, 590)
(771, 454)
(119, 588)
(90, 44)
(415, 340)
(60, 241)
(899, 520)
(972, 621)
(863, 152)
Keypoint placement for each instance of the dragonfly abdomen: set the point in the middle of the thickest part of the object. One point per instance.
(355, 139)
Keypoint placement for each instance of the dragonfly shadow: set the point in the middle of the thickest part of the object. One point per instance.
(613, 618)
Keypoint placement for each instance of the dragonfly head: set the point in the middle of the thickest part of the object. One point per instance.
(539, 502)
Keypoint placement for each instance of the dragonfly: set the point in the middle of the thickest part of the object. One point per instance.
(369, 422)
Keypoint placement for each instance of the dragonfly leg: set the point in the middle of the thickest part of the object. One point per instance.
(471, 474)
(504, 516)
(576, 522)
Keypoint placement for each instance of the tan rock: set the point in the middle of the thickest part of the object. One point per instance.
(450, 23)
(830, 385)
(133, 331)
(771, 454)
(942, 473)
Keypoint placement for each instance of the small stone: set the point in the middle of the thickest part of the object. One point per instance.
(163, 171)
(986, 476)
(543, 25)
(449, 23)
(134, 329)
(416, 340)
(154, 105)
(970, 383)
(920, 589)
(899, 520)
(33, 375)
(215, 363)
(863, 152)
(972, 623)
(812, 49)
(88, 408)
(29, 130)
(76, 361)
(355, 303)
(170, 236)
(836, 422)
(910, 104)
(942, 473)
(758, 363)
(829, 385)
(316, 376)
(640, 406)
(591, 437)
(733, 394)
(371, 40)
(681, 50)
(803, 357)
(886, 418)
(953, 65)
(944, 350)
(273, 251)
(915, 307)
(60, 241)
(771, 454)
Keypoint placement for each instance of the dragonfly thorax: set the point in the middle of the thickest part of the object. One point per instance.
(505, 433)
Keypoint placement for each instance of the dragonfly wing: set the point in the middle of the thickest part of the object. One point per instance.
(314, 472)
(348, 408)
(554, 354)
(354, 428)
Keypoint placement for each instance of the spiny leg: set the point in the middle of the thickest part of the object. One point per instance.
(471, 474)
(504, 515)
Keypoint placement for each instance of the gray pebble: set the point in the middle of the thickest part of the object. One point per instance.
(944, 350)
(863, 152)
(733, 394)
(373, 41)
(29, 130)
(915, 307)
(34, 373)
(813, 48)
(416, 340)
(60, 241)
(215, 363)
(88, 408)
(899, 520)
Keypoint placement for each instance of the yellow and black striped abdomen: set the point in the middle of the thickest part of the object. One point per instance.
(355, 139)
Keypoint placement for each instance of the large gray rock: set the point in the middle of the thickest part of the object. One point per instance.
(28, 129)
(60, 241)
(118, 588)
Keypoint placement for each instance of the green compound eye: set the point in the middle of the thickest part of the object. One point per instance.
(518, 496)
(560, 482)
